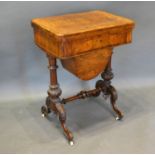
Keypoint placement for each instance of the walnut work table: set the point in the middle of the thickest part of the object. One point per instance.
(83, 42)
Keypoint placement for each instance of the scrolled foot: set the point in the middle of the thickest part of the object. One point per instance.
(67, 132)
(62, 118)
(113, 98)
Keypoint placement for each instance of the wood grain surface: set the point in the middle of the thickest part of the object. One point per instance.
(75, 34)
(89, 65)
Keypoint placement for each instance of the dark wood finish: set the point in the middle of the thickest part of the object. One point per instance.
(107, 76)
(83, 95)
(53, 101)
(83, 42)
(103, 86)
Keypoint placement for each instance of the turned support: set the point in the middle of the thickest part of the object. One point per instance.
(103, 86)
(83, 95)
(55, 104)
(53, 101)
(54, 91)
(107, 76)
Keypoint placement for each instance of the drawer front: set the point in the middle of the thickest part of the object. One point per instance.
(70, 46)
(76, 45)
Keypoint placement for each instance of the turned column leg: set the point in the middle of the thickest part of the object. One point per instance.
(53, 101)
(107, 76)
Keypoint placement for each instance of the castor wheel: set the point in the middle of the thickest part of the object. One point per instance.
(118, 118)
(44, 111)
(71, 143)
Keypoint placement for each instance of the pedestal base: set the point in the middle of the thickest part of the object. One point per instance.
(55, 104)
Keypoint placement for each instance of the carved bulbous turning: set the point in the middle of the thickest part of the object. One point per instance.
(54, 90)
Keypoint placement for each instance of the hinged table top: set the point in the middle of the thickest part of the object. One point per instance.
(75, 23)
(73, 34)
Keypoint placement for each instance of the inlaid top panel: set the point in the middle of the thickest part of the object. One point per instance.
(79, 33)
(75, 23)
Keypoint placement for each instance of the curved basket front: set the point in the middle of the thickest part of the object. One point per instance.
(89, 65)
